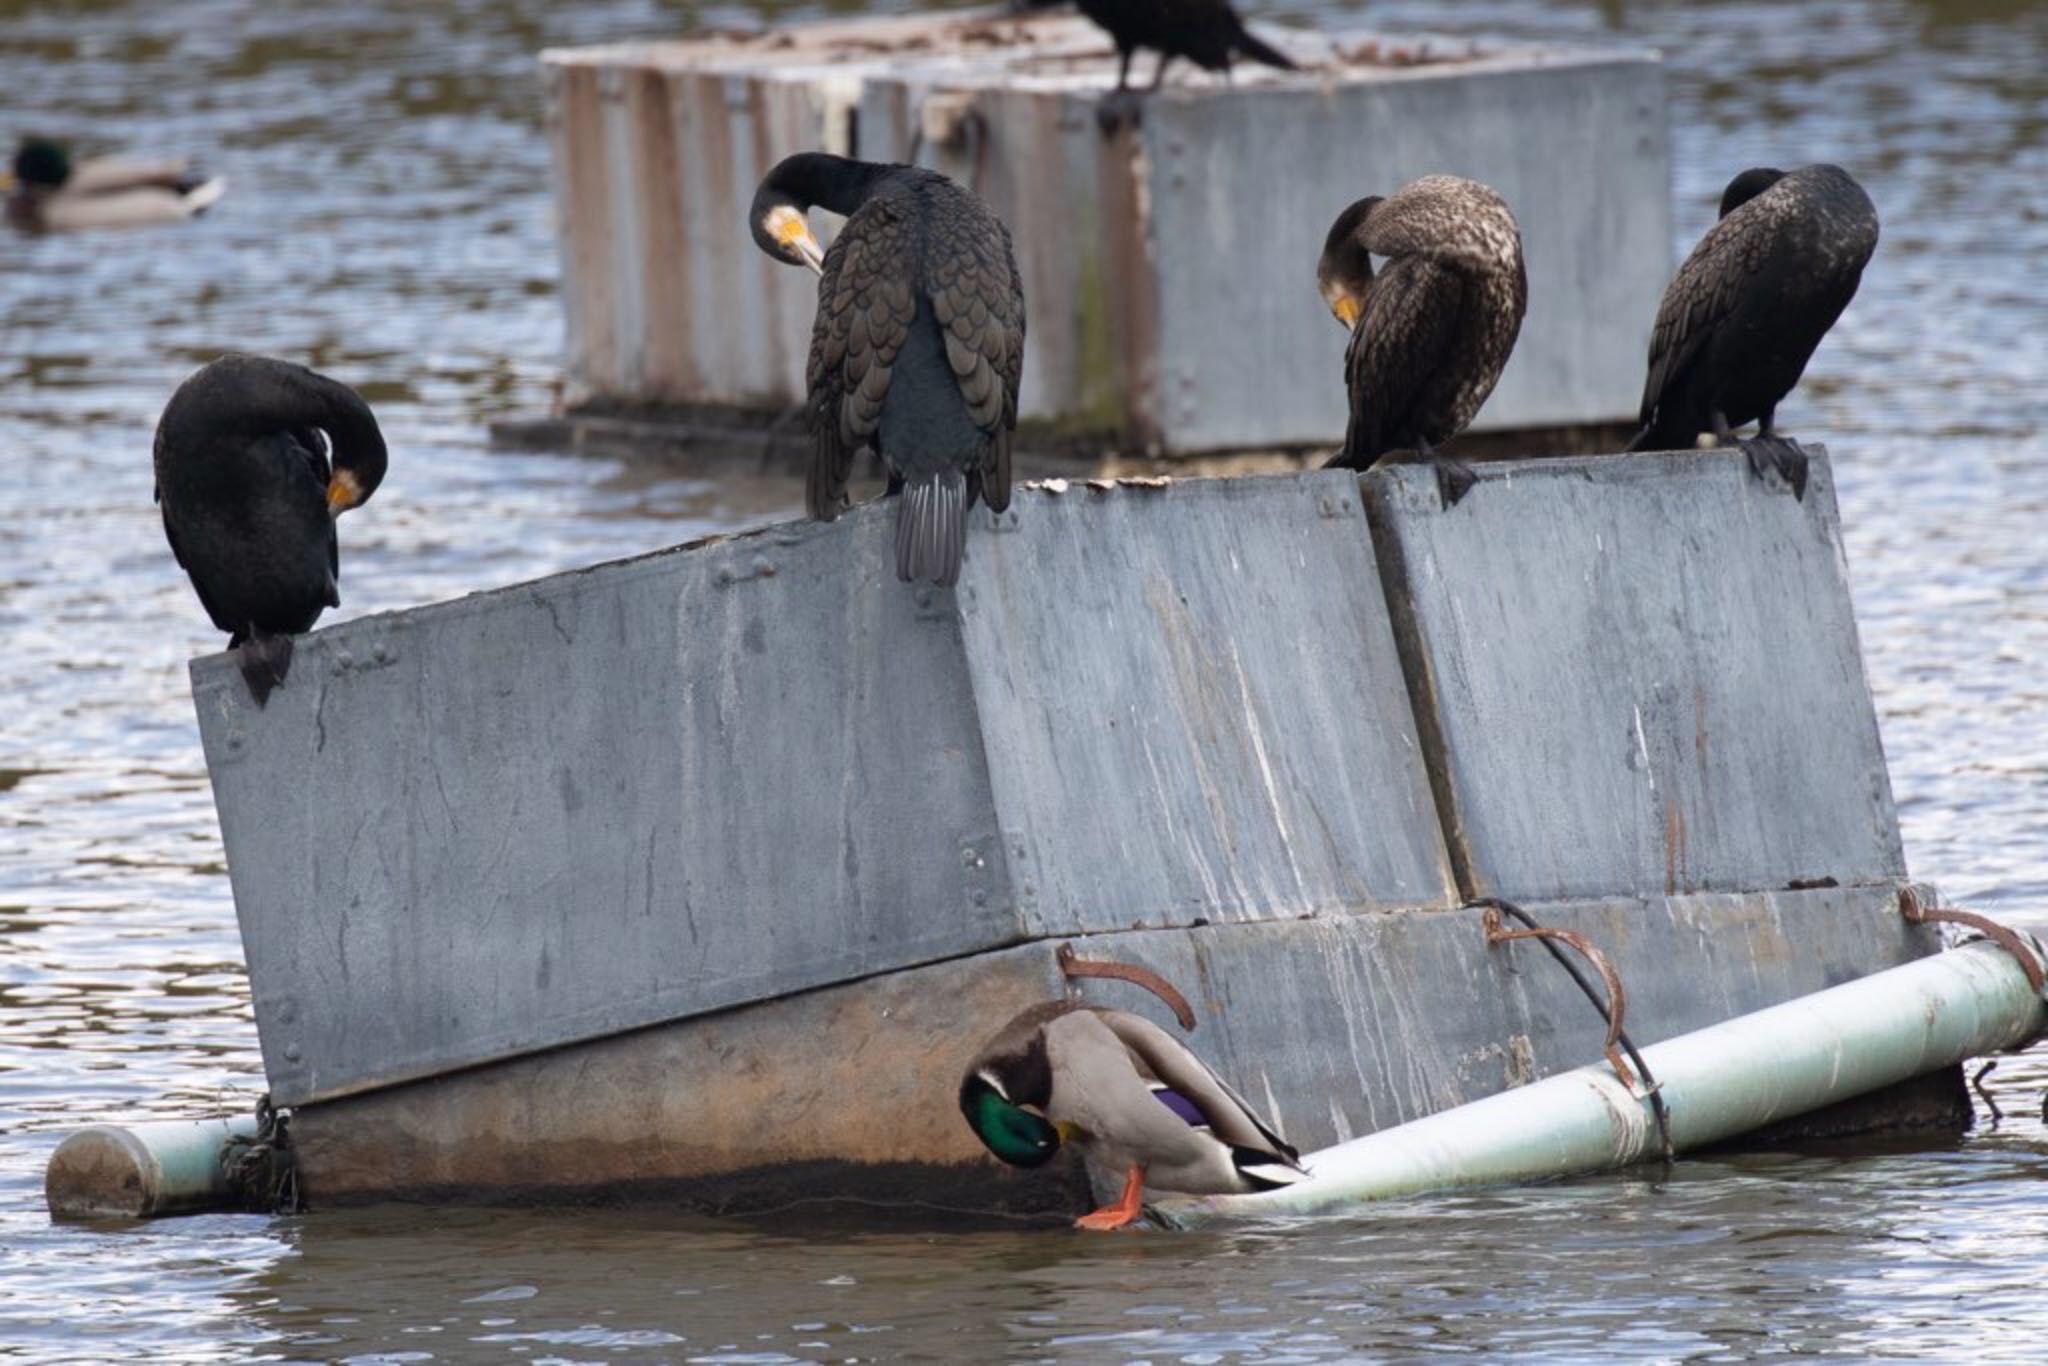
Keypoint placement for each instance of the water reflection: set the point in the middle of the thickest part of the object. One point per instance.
(387, 221)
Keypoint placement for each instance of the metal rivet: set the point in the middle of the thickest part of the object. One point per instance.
(292, 1053)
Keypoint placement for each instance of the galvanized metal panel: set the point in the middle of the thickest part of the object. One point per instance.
(1243, 190)
(599, 801)
(1642, 676)
(1170, 274)
(1192, 706)
(1336, 1026)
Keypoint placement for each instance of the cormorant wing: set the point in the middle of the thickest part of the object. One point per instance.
(977, 299)
(1706, 290)
(865, 307)
(1414, 320)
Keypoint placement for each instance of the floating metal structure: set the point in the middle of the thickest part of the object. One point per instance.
(1170, 271)
(577, 881)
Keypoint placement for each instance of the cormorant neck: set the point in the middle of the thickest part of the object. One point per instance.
(821, 180)
(1748, 186)
(353, 430)
(1345, 263)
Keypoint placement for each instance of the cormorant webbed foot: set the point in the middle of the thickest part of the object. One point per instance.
(1119, 111)
(1778, 456)
(264, 661)
(1454, 479)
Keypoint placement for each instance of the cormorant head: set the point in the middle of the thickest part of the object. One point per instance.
(40, 164)
(777, 216)
(360, 456)
(1748, 186)
(1020, 1137)
(354, 480)
(1344, 272)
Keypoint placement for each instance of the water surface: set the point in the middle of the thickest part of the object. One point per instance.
(388, 220)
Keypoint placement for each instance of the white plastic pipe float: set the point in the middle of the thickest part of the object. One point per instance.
(140, 1171)
(1716, 1082)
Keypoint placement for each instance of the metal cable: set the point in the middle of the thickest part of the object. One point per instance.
(1616, 1033)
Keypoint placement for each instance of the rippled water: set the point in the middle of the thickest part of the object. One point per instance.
(388, 220)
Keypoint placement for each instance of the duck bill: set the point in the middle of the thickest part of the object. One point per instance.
(343, 493)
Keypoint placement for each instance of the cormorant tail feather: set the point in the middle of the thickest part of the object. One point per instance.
(931, 529)
(1248, 46)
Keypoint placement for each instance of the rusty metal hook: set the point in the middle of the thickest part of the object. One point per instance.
(1915, 913)
(1074, 966)
(1617, 998)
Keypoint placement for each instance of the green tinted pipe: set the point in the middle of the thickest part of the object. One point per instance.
(1717, 1082)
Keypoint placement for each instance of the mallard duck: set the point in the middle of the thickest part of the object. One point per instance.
(1143, 1108)
(918, 347)
(1432, 331)
(1749, 307)
(250, 497)
(47, 192)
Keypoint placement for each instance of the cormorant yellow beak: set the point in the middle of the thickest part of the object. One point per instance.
(788, 227)
(343, 493)
(6, 182)
(1346, 305)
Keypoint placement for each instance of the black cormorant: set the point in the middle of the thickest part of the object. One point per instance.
(1431, 331)
(47, 191)
(918, 346)
(1206, 32)
(249, 498)
(1749, 306)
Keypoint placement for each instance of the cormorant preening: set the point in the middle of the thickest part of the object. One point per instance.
(47, 191)
(1206, 32)
(918, 346)
(1746, 310)
(1431, 331)
(249, 499)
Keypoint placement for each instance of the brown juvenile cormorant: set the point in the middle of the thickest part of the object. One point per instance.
(1144, 1110)
(1206, 32)
(918, 346)
(1749, 306)
(48, 192)
(1431, 331)
(249, 498)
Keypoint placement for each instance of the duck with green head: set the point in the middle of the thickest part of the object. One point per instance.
(46, 191)
(1143, 1109)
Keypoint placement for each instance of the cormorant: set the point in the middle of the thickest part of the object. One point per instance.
(1206, 32)
(249, 498)
(48, 192)
(1144, 1110)
(1749, 306)
(918, 346)
(1430, 332)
